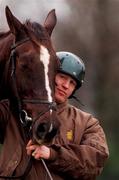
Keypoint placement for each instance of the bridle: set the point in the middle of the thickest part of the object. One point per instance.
(12, 61)
(22, 114)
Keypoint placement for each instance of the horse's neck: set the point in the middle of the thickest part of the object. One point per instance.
(5, 46)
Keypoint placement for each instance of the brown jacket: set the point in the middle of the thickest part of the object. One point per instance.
(79, 151)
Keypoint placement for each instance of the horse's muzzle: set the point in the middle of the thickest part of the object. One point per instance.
(45, 129)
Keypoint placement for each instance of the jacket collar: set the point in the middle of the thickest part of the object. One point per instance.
(61, 106)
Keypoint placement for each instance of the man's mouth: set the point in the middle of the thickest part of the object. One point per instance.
(61, 92)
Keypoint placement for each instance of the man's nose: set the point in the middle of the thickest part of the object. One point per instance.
(66, 84)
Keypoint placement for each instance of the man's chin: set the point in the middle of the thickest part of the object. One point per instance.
(60, 99)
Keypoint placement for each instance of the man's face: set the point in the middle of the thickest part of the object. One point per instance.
(64, 87)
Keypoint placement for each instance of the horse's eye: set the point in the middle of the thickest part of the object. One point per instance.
(24, 66)
(23, 62)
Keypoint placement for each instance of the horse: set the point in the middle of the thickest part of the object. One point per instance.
(28, 65)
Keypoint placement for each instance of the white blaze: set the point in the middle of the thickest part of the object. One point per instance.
(45, 58)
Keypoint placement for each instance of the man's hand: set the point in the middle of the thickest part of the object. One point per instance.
(38, 151)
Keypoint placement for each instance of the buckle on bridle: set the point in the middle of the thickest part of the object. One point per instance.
(52, 106)
(24, 118)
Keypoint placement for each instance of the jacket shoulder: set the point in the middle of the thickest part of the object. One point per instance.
(79, 112)
(83, 117)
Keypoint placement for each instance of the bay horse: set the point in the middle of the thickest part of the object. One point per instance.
(28, 65)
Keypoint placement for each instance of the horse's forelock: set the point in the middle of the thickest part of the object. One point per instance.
(37, 29)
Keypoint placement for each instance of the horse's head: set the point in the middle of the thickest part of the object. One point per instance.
(30, 74)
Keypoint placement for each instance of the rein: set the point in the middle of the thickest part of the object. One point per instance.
(51, 106)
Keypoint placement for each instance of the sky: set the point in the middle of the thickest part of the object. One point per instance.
(35, 10)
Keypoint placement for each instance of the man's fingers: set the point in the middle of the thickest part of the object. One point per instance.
(30, 143)
(30, 149)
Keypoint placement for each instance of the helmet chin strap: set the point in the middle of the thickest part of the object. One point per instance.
(74, 97)
(77, 99)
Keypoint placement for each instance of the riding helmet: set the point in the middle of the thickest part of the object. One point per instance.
(72, 65)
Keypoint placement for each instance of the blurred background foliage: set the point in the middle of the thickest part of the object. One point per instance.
(90, 29)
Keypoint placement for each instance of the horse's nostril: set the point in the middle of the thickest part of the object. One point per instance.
(41, 131)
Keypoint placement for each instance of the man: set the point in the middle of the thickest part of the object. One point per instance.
(80, 150)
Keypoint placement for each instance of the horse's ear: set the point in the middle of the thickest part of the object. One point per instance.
(50, 21)
(14, 24)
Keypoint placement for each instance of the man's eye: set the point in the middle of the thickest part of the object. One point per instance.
(73, 82)
(62, 76)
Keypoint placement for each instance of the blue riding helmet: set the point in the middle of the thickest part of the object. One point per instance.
(72, 65)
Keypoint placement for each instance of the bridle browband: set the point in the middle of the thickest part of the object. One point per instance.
(51, 106)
